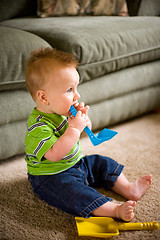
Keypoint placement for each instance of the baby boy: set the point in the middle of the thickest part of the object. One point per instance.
(57, 169)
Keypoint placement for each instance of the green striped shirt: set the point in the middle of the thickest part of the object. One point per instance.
(42, 132)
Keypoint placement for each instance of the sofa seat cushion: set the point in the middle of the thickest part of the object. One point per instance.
(124, 107)
(15, 47)
(101, 44)
(125, 81)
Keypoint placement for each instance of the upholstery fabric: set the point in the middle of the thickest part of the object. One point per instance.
(149, 8)
(12, 142)
(124, 107)
(16, 105)
(120, 83)
(12, 63)
(50, 8)
(118, 42)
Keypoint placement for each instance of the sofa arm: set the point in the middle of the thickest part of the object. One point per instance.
(149, 8)
(143, 7)
(15, 47)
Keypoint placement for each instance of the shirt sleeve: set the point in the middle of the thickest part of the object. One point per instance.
(39, 141)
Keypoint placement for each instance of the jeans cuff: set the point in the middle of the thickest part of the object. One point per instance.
(110, 180)
(86, 213)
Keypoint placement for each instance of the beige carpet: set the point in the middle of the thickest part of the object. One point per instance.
(24, 217)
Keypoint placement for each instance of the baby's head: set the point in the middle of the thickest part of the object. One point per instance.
(52, 79)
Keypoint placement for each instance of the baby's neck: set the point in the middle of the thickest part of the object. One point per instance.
(44, 110)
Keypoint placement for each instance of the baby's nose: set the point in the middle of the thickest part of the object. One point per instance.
(76, 96)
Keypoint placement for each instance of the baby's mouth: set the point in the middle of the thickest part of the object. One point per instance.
(75, 104)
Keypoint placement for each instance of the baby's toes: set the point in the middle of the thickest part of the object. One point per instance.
(129, 216)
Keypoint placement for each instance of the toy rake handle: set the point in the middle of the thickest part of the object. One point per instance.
(138, 226)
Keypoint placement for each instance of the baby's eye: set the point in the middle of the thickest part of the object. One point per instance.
(69, 90)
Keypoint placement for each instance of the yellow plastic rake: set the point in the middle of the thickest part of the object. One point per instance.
(104, 227)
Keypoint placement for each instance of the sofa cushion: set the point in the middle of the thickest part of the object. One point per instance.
(12, 142)
(120, 83)
(16, 105)
(15, 47)
(101, 44)
(50, 8)
(149, 8)
(124, 107)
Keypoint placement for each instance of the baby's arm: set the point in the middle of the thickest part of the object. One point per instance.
(67, 141)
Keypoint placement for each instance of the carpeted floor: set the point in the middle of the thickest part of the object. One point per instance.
(23, 216)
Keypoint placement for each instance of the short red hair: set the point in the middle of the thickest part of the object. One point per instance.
(41, 62)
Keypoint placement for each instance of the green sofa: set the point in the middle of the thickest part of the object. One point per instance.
(119, 63)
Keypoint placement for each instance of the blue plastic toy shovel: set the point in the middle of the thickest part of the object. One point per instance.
(104, 135)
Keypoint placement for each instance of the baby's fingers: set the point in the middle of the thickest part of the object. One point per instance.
(76, 104)
(87, 121)
(79, 114)
(85, 109)
(81, 105)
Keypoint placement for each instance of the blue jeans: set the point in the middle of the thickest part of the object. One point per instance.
(73, 190)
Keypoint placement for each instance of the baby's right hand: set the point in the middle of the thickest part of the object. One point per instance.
(80, 121)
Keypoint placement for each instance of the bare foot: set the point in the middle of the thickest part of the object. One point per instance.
(139, 187)
(125, 210)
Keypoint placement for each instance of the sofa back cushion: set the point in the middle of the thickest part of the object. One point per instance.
(101, 44)
(17, 8)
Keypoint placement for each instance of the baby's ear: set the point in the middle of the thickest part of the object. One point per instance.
(42, 97)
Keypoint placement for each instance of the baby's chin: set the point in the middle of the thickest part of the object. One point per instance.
(66, 114)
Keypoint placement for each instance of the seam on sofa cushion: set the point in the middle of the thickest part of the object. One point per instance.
(119, 57)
